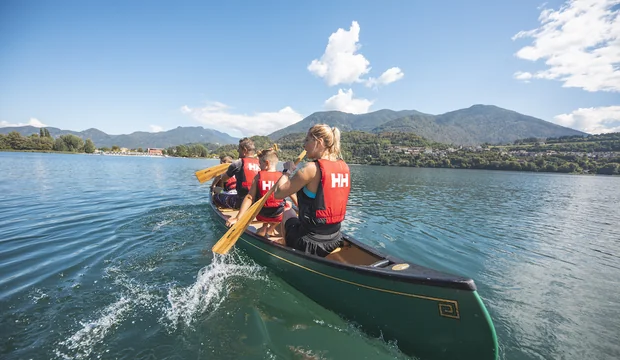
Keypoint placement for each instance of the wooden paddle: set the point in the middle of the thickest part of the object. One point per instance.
(229, 239)
(209, 173)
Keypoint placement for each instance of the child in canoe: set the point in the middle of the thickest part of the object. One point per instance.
(271, 213)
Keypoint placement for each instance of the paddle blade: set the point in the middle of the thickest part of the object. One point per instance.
(229, 239)
(210, 173)
(300, 157)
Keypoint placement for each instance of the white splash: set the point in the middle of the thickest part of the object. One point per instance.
(82, 343)
(209, 291)
(39, 295)
(161, 224)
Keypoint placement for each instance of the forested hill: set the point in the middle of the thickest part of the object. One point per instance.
(477, 124)
(180, 135)
(344, 121)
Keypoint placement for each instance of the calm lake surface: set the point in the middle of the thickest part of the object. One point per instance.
(105, 257)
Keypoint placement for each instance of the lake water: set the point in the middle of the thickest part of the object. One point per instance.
(105, 257)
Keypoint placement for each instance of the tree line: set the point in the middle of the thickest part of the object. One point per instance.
(43, 141)
(594, 154)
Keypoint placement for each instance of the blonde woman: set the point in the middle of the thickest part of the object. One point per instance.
(322, 187)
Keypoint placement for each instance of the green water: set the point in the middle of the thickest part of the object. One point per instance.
(108, 257)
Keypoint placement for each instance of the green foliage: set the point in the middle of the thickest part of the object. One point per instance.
(89, 146)
(610, 169)
(43, 142)
(60, 145)
(72, 143)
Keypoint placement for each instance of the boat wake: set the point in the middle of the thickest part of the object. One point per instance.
(82, 344)
(213, 284)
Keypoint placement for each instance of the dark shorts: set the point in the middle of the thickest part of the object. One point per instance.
(230, 201)
(300, 238)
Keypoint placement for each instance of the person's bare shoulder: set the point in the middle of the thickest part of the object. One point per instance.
(307, 170)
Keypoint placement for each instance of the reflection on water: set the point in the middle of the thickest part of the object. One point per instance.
(104, 257)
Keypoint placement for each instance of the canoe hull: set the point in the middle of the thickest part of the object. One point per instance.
(429, 322)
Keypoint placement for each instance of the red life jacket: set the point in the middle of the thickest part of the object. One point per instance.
(249, 169)
(273, 208)
(266, 180)
(230, 184)
(333, 192)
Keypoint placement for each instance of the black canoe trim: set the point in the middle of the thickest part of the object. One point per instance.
(415, 274)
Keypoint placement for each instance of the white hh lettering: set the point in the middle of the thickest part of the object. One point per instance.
(340, 180)
(253, 167)
(267, 185)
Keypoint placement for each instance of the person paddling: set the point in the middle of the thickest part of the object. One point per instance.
(244, 170)
(322, 187)
(271, 212)
(229, 186)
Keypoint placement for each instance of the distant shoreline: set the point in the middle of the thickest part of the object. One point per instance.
(350, 164)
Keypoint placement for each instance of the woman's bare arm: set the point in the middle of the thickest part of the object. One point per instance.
(303, 176)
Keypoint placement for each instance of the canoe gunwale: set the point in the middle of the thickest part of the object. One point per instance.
(415, 274)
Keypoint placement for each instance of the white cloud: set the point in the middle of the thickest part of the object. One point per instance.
(592, 120)
(341, 64)
(580, 44)
(344, 101)
(218, 116)
(33, 122)
(524, 76)
(156, 128)
(389, 76)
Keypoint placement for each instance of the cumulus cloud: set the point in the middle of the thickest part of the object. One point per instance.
(344, 101)
(156, 128)
(592, 120)
(580, 44)
(33, 122)
(341, 64)
(389, 76)
(219, 116)
(524, 76)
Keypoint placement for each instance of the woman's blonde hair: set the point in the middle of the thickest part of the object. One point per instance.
(330, 137)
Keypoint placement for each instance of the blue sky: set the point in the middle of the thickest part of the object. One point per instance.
(250, 68)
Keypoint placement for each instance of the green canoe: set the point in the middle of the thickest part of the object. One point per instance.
(430, 314)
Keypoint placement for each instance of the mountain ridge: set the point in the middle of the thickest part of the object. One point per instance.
(469, 126)
(164, 139)
(474, 125)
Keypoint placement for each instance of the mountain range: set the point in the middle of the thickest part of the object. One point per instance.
(471, 126)
(474, 125)
(178, 136)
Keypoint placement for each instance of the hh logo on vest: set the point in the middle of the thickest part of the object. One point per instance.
(267, 185)
(253, 167)
(340, 180)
